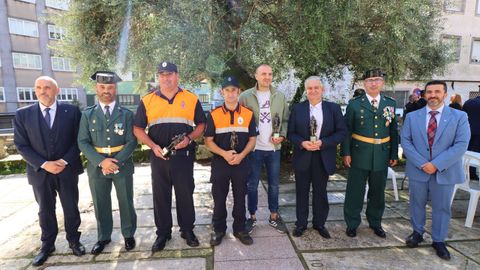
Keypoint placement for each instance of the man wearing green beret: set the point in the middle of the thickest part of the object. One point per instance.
(106, 139)
(370, 147)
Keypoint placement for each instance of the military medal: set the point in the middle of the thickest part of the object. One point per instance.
(118, 129)
(389, 114)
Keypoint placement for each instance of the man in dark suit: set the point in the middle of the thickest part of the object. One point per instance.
(314, 154)
(45, 134)
(472, 108)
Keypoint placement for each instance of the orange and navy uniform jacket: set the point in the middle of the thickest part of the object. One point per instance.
(221, 122)
(167, 118)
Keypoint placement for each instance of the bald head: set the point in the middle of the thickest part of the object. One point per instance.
(264, 77)
(47, 78)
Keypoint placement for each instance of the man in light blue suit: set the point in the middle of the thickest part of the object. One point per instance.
(434, 140)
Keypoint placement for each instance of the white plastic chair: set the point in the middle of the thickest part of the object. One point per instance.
(391, 174)
(469, 159)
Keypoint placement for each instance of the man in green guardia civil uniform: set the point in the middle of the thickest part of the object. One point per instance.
(370, 147)
(106, 139)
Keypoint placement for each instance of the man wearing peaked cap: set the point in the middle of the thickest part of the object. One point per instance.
(370, 147)
(231, 134)
(168, 112)
(107, 141)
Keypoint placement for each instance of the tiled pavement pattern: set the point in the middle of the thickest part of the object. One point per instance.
(19, 234)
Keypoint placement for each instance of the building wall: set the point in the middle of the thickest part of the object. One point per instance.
(11, 78)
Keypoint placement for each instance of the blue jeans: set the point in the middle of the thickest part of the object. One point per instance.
(271, 159)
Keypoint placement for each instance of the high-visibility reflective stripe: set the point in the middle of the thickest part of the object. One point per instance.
(230, 129)
(167, 120)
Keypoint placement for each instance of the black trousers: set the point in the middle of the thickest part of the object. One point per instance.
(177, 172)
(474, 145)
(46, 197)
(317, 177)
(222, 175)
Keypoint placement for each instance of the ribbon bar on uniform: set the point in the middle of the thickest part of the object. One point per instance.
(370, 140)
(108, 150)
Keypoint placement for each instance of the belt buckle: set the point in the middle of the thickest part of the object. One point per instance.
(107, 150)
(377, 141)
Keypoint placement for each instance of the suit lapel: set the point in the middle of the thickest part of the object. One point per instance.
(325, 112)
(365, 103)
(444, 119)
(35, 125)
(115, 114)
(419, 121)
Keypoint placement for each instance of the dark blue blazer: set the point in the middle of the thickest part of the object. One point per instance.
(36, 148)
(472, 108)
(332, 133)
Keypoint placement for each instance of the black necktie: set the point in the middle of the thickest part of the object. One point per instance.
(47, 117)
(107, 112)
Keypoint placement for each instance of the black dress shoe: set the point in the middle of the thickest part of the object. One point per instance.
(442, 250)
(190, 238)
(244, 237)
(129, 243)
(351, 232)
(160, 243)
(77, 248)
(42, 256)
(414, 239)
(323, 232)
(99, 246)
(298, 231)
(216, 238)
(379, 232)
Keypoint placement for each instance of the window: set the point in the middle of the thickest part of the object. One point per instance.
(203, 98)
(23, 27)
(28, 1)
(68, 94)
(58, 4)
(478, 7)
(454, 6)
(475, 51)
(62, 64)
(55, 32)
(126, 99)
(453, 46)
(26, 60)
(2, 94)
(26, 94)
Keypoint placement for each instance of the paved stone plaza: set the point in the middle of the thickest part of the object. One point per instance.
(20, 234)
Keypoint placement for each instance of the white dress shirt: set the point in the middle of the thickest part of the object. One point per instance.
(316, 111)
(110, 107)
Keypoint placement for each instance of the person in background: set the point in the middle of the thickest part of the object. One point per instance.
(456, 101)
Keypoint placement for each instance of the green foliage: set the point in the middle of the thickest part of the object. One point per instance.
(208, 38)
(12, 167)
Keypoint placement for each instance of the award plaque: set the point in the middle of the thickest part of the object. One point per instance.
(233, 140)
(276, 126)
(313, 129)
(168, 150)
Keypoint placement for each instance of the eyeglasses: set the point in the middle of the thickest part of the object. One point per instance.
(376, 80)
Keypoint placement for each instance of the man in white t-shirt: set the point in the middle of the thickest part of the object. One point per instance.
(271, 116)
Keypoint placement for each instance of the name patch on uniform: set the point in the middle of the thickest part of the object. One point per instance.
(118, 128)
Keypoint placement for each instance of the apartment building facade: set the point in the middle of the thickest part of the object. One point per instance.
(27, 37)
(462, 33)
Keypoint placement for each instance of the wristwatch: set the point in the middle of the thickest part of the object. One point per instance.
(189, 139)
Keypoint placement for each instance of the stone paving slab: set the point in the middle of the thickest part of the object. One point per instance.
(397, 231)
(164, 264)
(231, 249)
(392, 258)
(278, 264)
(470, 249)
(14, 264)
